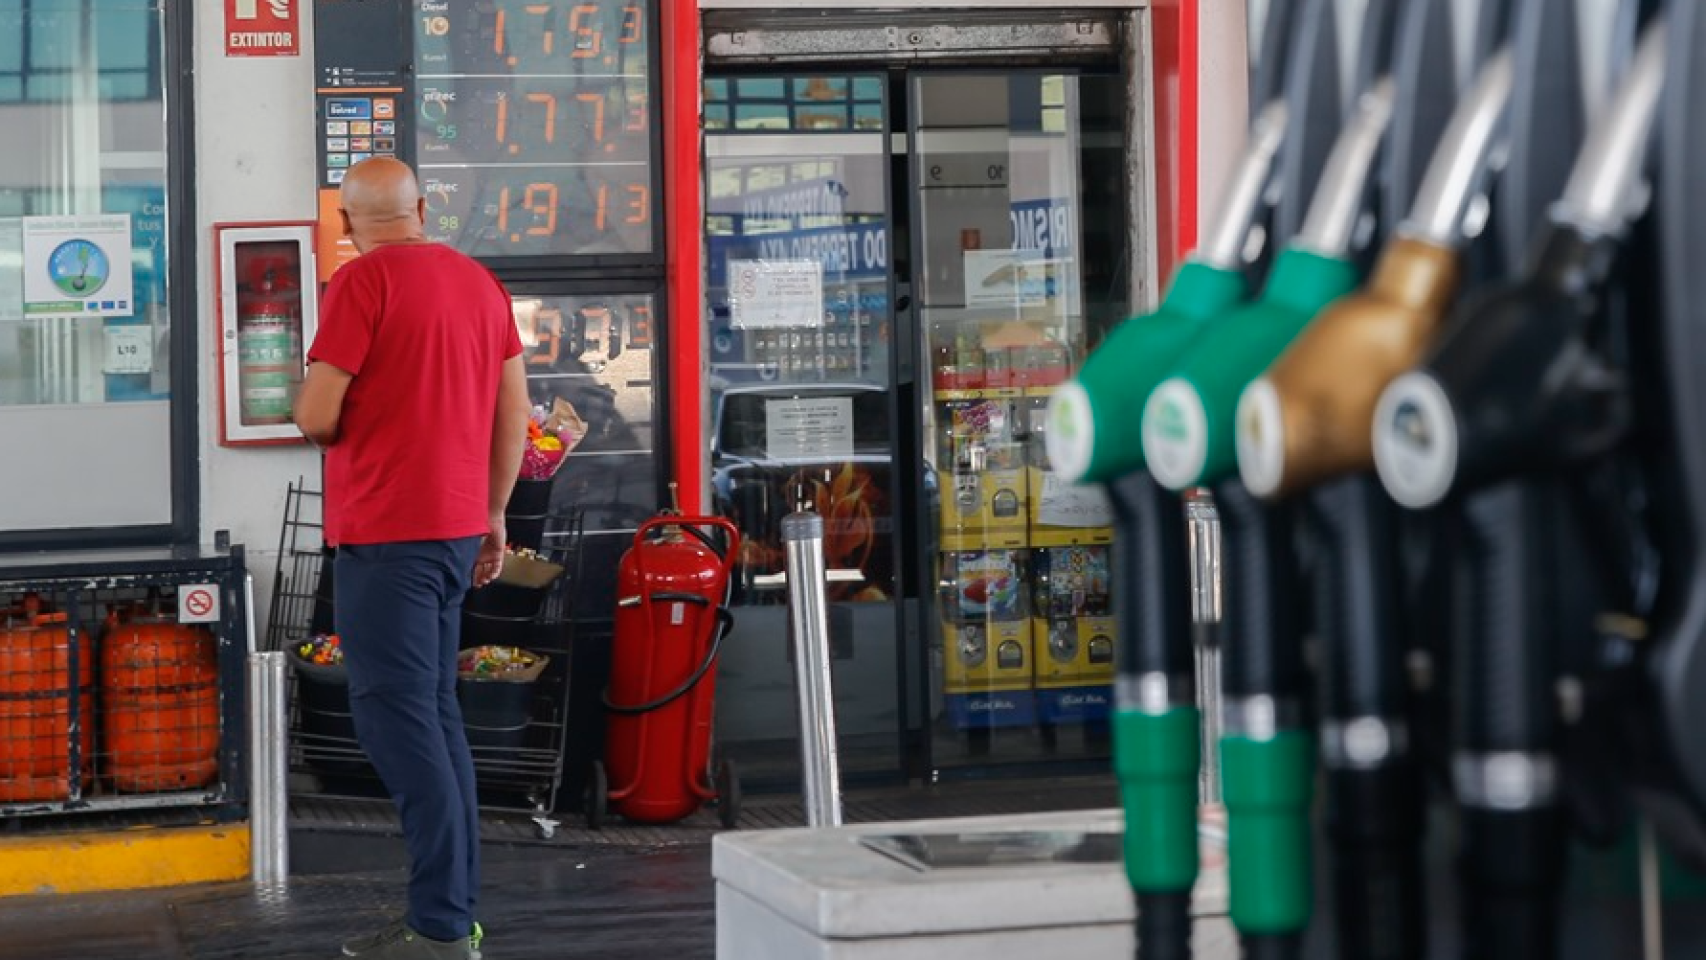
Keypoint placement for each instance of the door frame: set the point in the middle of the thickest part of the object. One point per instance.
(1144, 63)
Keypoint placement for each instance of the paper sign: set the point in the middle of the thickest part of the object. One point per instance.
(1008, 278)
(130, 349)
(78, 266)
(815, 429)
(775, 293)
(1065, 504)
(262, 28)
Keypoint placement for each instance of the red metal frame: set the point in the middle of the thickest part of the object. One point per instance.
(684, 228)
(309, 288)
(1175, 66)
(1174, 33)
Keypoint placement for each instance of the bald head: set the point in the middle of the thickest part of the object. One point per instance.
(381, 203)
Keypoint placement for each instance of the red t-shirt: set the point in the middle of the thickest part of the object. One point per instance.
(425, 331)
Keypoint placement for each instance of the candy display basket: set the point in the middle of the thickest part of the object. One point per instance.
(516, 722)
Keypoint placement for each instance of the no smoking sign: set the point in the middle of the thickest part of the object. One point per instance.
(198, 603)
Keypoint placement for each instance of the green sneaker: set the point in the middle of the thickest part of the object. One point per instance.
(397, 941)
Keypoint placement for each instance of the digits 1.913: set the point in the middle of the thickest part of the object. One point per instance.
(531, 210)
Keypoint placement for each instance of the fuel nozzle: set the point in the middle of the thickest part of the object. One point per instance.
(1267, 753)
(1188, 419)
(1092, 435)
(1515, 385)
(1093, 431)
(1306, 419)
(1304, 423)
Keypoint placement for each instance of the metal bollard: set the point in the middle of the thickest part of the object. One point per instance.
(269, 803)
(808, 621)
(1202, 530)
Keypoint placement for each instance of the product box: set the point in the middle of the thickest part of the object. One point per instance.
(1040, 365)
(1073, 651)
(986, 656)
(986, 421)
(983, 586)
(1072, 581)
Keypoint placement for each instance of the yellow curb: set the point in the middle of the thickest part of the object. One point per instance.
(128, 860)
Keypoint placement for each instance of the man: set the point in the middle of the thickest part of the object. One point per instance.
(417, 393)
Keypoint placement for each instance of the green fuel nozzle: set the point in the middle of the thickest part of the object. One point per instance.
(1092, 435)
(1188, 422)
(1267, 755)
(1093, 428)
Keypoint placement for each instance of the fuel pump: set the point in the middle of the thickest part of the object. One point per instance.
(1267, 750)
(1677, 668)
(1303, 425)
(1515, 392)
(1093, 438)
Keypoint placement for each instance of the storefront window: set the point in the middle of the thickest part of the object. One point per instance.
(84, 323)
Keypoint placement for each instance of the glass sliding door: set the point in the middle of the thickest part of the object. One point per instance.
(1019, 267)
(801, 335)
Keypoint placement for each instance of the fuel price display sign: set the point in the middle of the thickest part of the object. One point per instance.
(530, 122)
(534, 134)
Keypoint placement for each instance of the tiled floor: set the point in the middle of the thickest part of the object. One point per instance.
(550, 905)
(626, 893)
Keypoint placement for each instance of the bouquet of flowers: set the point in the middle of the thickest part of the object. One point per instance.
(550, 437)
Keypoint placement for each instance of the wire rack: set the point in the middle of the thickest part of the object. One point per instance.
(517, 733)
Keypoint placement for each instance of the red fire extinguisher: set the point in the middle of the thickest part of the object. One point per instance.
(269, 342)
(671, 619)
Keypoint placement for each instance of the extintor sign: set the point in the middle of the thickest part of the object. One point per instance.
(262, 28)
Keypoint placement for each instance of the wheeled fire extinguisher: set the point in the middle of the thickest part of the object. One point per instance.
(672, 616)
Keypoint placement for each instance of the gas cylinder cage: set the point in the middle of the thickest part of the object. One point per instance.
(517, 734)
(122, 683)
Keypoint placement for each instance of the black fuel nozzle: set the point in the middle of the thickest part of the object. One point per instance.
(1520, 391)
(1516, 385)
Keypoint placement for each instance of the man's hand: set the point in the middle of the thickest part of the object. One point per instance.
(490, 561)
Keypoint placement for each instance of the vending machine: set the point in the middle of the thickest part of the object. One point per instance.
(1008, 304)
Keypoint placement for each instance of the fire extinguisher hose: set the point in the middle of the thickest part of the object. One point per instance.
(725, 622)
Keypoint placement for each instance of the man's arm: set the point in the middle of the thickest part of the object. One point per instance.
(320, 404)
(509, 440)
(509, 433)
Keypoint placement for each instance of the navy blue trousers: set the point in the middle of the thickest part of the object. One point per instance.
(399, 614)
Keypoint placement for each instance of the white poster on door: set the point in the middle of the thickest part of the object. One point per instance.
(766, 294)
(78, 266)
(820, 428)
(1063, 503)
(1009, 278)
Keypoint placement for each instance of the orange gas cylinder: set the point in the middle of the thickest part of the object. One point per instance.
(35, 707)
(160, 705)
(670, 621)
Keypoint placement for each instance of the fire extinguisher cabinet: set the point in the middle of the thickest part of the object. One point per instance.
(267, 318)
